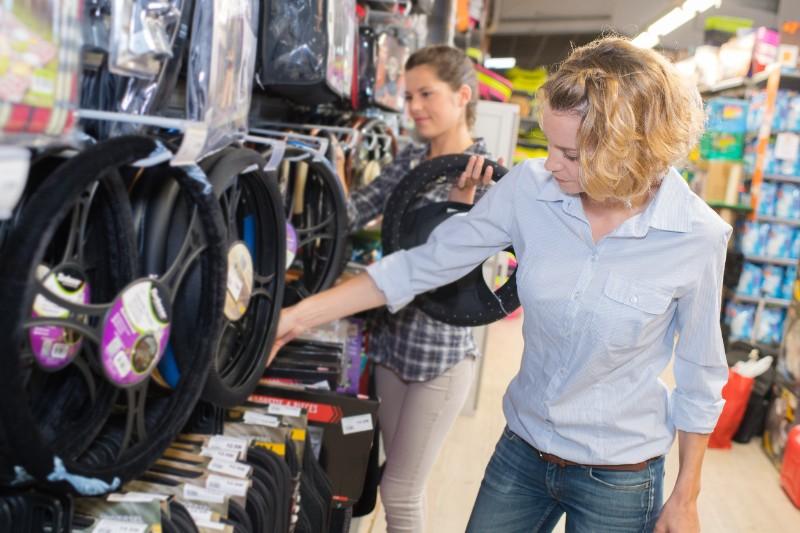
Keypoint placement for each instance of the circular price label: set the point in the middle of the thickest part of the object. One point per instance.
(240, 281)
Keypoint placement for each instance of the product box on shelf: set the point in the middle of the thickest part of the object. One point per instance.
(348, 425)
(722, 145)
(727, 115)
(765, 49)
(781, 418)
(789, 48)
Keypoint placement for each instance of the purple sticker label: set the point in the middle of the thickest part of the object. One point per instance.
(54, 347)
(291, 244)
(135, 333)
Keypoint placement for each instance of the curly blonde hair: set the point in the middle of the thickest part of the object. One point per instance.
(638, 116)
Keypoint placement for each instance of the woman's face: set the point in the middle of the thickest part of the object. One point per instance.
(434, 107)
(561, 130)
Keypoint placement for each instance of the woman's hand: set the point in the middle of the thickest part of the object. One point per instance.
(463, 190)
(289, 328)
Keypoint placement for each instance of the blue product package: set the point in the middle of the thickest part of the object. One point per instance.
(772, 282)
(787, 202)
(787, 289)
(728, 115)
(792, 120)
(770, 192)
(741, 320)
(770, 326)
(794, 252)
(779, 241)
(750, 280)
(754, 238)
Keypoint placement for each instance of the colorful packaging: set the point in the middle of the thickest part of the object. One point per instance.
(772, 283)
(787, 203)
(779, 241)
(740, 317)
(769, 196)
(750, 280)
(770, 326)
(727, 115)
(787, 289)
(794, 253)
(754, 236)
(791, 121)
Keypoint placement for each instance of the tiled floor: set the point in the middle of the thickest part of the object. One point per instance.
(740, 487)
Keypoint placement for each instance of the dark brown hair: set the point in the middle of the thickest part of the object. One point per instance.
(453, 67)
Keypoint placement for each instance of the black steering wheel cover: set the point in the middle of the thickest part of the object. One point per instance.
(466, 302)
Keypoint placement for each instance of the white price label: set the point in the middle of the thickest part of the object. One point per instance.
(229, 468)
(235, 283)
(14, 165)
(787, 146)
(108, 525)
(259, 419)
(356, 424)
(227, 485)
(284, 410)
(199, 512)
(136, 497)
(202, 494)
(194, 140)
(216, 453)
(234, 444)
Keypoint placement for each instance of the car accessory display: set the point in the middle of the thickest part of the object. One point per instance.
(85, 334)
(409, 220)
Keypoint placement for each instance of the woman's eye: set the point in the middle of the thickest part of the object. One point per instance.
(572, 158)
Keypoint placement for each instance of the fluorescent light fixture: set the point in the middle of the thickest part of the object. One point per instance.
(645, 40)
(672, 21)
(500, 63)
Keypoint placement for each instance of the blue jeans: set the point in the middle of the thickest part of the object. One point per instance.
(521, 492)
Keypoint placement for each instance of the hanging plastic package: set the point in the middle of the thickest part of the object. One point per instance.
(139, 40)
(219, 76)
(40, 43)
(308, 44)
(390, 82)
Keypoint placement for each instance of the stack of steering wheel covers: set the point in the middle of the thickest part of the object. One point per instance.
(92, 396)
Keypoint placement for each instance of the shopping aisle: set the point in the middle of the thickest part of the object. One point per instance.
(740, 494)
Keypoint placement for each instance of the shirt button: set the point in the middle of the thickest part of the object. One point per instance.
(633, 299)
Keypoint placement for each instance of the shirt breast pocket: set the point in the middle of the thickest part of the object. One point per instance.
(628, 310)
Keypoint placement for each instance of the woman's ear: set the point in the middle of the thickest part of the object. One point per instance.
(465, 94)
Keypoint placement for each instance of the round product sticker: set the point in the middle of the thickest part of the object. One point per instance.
(291, 244)
(54, 347)
(135, 333)
(240, 281)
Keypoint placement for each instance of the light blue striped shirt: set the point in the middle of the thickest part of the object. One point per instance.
(602, 320)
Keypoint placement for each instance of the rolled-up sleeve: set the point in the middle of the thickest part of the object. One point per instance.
(456, 247)
(700, 368)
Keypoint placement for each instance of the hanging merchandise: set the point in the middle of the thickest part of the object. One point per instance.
(139, 39)
(139, 95)
(85, 332)
(492, 86)
(219, 75)
(40, 46)
(254, 233)
(307, 49)
(412, 212)
(381, 63)
(314, 204)
(782, 417)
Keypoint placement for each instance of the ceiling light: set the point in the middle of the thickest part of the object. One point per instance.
(645, 40)
(672, 21)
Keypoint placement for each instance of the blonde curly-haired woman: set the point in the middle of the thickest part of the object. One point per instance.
(620, 266)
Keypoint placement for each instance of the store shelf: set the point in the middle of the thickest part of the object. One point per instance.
(771, 260)
(778, 220)
(789, 80)
(779, 302)
(725, 85)
(735, 207)
(784, 179)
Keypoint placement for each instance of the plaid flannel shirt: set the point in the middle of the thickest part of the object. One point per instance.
(415, 346)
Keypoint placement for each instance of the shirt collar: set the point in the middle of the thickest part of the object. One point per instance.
(668, 211)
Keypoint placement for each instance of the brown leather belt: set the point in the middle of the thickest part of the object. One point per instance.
(554, 459)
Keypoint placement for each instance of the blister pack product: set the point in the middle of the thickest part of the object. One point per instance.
(753, 238)
(220, 73)
(769, 197)
(770, 326)
(40, 45)
(140, 40)
(772, 284)
(779, 241)
(787, 204)
(740, 318)
(787, 288)
(750, 280)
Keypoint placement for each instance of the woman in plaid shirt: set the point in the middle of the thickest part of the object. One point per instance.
(425, 367)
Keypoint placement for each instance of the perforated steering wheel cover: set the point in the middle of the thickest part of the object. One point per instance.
(476, 304)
